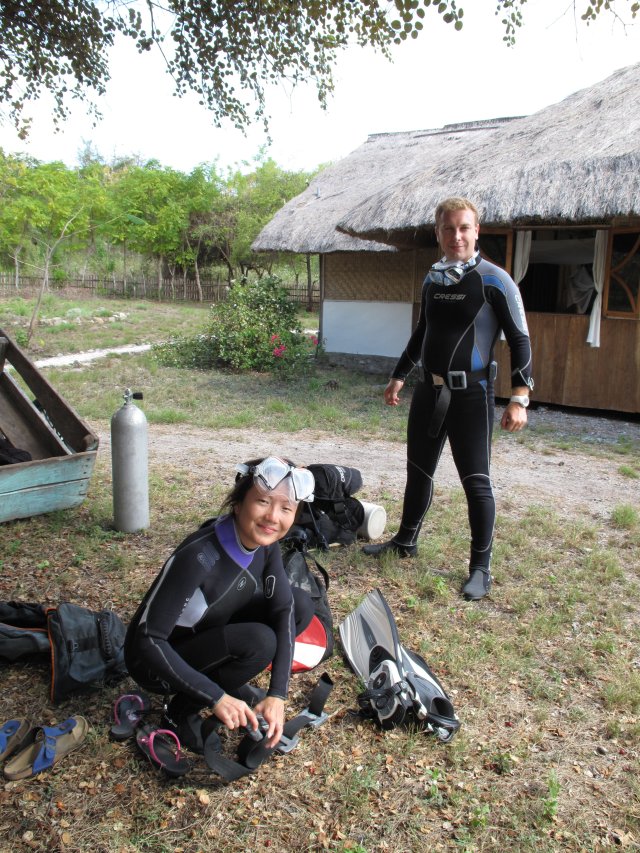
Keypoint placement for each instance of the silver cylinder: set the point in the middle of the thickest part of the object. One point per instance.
(129, 467)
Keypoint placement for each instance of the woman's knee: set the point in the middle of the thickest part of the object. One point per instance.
(251, 641)
(303, 608)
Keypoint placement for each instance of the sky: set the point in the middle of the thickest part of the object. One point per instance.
(443, 77)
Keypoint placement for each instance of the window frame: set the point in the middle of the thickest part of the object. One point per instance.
(620, 315)
(509, 249)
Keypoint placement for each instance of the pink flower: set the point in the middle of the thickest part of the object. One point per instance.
(314, 340)
(278, 351)
(274, 338)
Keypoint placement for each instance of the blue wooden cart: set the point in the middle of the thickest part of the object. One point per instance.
(35, 418)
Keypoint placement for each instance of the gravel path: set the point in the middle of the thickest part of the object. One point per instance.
(573, 482)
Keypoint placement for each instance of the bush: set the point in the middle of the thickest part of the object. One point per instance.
(192, 352)
(255, 329)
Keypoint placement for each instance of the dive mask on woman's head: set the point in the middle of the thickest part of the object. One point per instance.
(274, 473)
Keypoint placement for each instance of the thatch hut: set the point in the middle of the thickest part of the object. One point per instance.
(559, 195)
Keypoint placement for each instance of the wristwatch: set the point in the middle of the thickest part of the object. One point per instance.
(520, 399)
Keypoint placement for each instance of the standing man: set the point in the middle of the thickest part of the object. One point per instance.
(466, 301)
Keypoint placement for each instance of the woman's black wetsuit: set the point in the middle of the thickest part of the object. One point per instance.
(457, 330)
(215, 617)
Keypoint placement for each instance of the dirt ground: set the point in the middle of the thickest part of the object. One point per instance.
(350, 787)
(525, 473)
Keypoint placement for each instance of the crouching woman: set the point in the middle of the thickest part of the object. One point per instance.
(222, 609)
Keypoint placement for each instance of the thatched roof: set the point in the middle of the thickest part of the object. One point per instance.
(308, 222)
(575, 161)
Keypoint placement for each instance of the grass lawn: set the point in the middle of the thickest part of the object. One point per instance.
(70, 326)
(545, 676)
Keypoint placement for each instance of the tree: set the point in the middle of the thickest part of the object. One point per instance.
(150, 207)
(15, 212)
(234, 214)
(49, 205)
(226, 51)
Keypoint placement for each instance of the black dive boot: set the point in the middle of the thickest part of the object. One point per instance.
(380, 548)
(182, 716)
(248, 693)
(478, 584)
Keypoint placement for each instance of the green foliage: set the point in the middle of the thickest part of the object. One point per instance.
(225, 226)
(550, 803)
(625, 517)
(186, 351)
(255, 329)
(226, 51)
(132, 219)
(629, 471)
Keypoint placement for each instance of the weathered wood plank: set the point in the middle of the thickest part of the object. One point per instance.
(62, 446)
(4, 345)
(31, 488)
(23, 425)
(43, 499)
(569, 372)
(46, 471)
(73, 429)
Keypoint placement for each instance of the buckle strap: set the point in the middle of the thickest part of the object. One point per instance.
(252, 751)
(457, 380)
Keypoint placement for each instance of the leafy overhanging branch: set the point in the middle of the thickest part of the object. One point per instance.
(226, 51)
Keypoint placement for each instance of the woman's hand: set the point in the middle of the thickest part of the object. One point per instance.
(235, 713)
(272, 709)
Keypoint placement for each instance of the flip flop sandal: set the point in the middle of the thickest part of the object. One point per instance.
(157, 745)
(128, 713)
(12, 734)
(46, 746)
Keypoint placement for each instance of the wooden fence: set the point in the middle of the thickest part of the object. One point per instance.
(168, 290)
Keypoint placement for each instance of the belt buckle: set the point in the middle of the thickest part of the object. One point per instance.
(457, 380)
(287, 744)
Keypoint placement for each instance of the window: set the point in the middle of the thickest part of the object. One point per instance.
(495, 247)
(623, 282)
(559, 278)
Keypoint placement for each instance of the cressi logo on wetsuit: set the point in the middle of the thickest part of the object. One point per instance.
(453, 297)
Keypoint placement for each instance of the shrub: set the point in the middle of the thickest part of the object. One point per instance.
(255, 329)
(191, 352)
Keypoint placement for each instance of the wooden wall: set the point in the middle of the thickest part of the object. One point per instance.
(569, 372)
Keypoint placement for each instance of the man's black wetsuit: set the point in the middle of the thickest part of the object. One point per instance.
(215, 617)
(457, 330)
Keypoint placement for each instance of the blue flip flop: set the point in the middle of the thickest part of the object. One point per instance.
(44, 746)
(12, 733)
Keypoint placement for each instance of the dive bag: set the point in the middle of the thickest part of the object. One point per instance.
(315, 643)
(85, 647)
(335, 515)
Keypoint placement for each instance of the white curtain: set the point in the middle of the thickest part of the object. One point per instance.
(521, 255)
(599, 264)
(520, 260)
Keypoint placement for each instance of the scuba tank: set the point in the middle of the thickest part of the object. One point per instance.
(129, 466)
